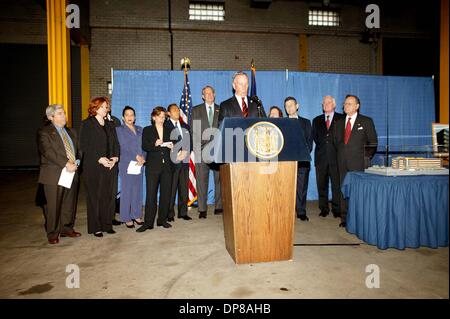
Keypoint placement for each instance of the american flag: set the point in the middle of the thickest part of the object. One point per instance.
(186, 110)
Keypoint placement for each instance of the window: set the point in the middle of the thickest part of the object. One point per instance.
(326, 18)
(204, 11)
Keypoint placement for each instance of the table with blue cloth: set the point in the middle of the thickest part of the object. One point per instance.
(397, 211)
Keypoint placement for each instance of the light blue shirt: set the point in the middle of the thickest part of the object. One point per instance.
(59, 130)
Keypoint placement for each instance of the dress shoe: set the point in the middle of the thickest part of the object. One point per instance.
(116, 222)
(111, 231)
(171, 219)
(143, 228)
(303, 217)
(343, 224)
(165, 225)
(323, 214)
(202, 215)
(98, 234)
(218, 211)
(138, 223)
(71, 234)
(186, 217)
(129, 226)
(53, 240)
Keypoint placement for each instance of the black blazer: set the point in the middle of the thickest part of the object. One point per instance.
(355, 156)
(325, 152)
(53, 157)
(181, 142)
(158, 158)
(92, 146)
(231, 108)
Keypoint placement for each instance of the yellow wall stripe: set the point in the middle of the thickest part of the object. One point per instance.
(58, 48)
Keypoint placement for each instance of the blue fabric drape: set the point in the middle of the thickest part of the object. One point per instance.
(400, 106)
(398, 211)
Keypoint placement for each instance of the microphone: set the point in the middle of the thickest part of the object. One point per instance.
(258, 102)
(256, 99)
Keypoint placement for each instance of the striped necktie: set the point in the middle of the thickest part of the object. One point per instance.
(67, 146)
(244, 108)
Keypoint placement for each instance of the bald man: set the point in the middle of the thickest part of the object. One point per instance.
(325, 159)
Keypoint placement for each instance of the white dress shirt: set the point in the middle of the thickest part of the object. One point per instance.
(239, 98)
(352, 121)
(330, 117)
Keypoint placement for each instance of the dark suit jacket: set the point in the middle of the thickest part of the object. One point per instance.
(231, 108)
(158, 157)
(181, 142)
(355, 156)
(53, 153)
(305, 125)
(325, 152)
(94, 144)
(199, 114)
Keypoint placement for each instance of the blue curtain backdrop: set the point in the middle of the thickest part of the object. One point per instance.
(401, 107)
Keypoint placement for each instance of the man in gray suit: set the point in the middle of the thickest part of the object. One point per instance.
(204, 116)
(58, 149)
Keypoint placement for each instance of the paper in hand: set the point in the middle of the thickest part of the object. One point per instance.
(66, 178)
(134, 168)
(166, 144)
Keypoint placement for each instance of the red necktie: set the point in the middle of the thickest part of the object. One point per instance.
(348, 130)
(328, 122)
(244, 108)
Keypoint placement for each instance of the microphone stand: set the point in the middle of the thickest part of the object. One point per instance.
(259, 105)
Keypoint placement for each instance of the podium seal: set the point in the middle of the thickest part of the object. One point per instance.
(264, 140)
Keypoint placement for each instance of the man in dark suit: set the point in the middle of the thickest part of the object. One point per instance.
(325, 156)
(355, 139)
(240, 105)
(58, 148)
(180, 132)
(291, 107)
(205, 116)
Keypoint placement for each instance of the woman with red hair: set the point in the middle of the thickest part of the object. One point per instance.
(100, 151)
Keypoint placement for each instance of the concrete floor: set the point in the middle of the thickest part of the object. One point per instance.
(190, 260)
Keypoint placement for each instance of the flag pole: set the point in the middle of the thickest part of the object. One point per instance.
(185, 63)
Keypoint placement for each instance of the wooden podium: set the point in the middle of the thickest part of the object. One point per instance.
(259, 211)
(258, 191)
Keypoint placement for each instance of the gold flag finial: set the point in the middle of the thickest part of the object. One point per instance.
(185, 64)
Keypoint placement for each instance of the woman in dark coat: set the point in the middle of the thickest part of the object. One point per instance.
(100, 151)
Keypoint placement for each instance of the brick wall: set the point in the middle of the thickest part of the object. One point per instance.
(22, 21)
(133, 34)
(338, 55)
(136, 36)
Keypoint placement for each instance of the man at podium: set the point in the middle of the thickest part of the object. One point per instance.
(241, 105)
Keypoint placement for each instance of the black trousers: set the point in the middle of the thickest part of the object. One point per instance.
(302, 190)
(180, 179)
(325, 173)
(60, 208)
(99, 203)
(163, 181)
